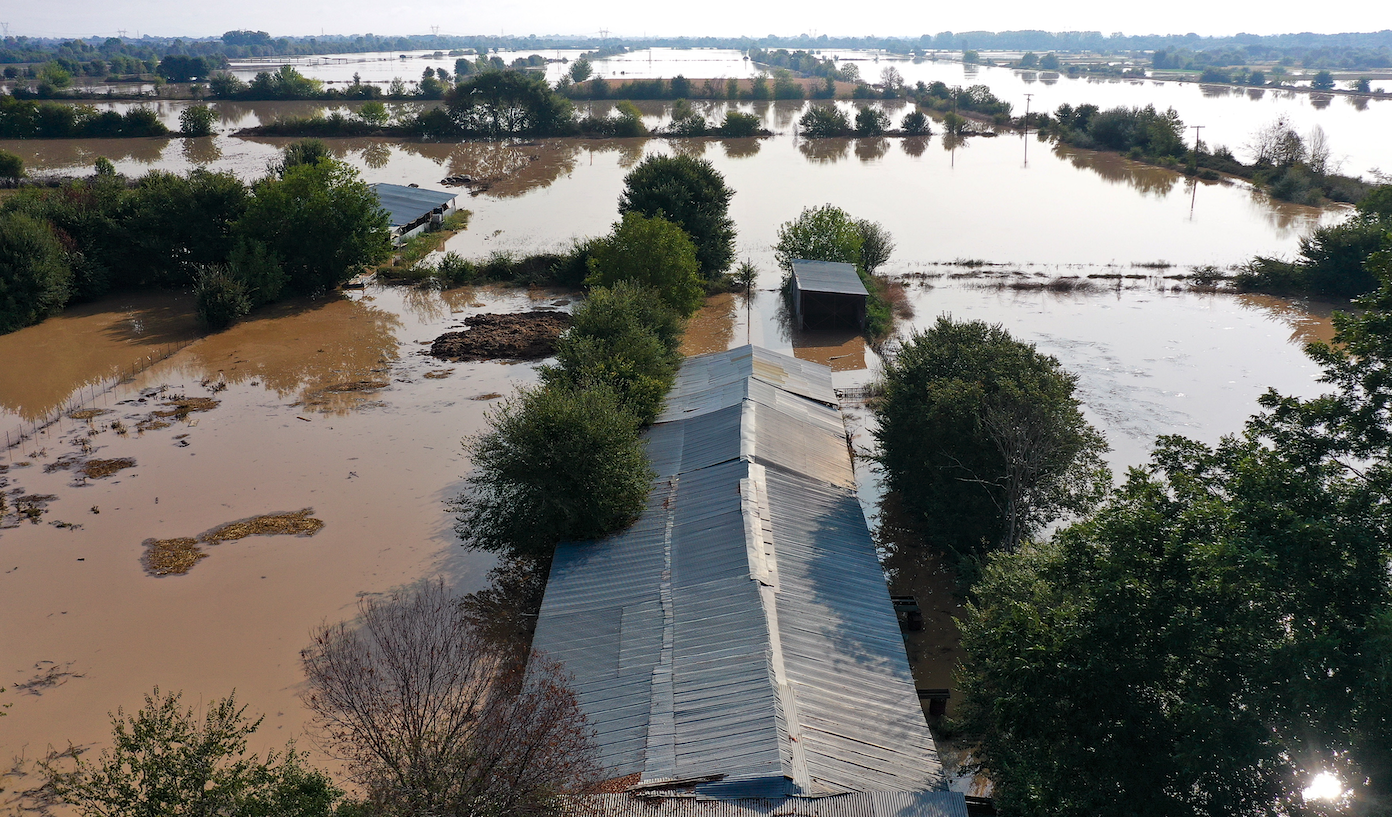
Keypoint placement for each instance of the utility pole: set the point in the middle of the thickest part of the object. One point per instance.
(434, 31)
(1028, 97)
(1197, 128)
(6, 26)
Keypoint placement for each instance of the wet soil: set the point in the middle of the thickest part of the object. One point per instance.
(524, 336)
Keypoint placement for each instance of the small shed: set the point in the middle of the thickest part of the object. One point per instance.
(828, 295)
(413, 209)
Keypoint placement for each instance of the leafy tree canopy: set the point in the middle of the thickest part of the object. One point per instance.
(652, 252)
(691, 194)
(507, 103)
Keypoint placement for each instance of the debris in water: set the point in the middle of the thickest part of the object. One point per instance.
(490, 396)
(520, 336)
(47, 675)
(96, 469)
(170, 557)
(438, 374)
(87, 414)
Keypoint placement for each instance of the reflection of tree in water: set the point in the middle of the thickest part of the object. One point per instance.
(64, 154)
(1111, 167)
(785, 112)
(1309, 321)
(630, 150)
(326, 353)
(201, 151)
(952, 142)
(914, 145)
(512, 168)
(741, 148)
(1286, 217)
(376, 155)
(695, 148)
(868, 150)
(824, 151)
(505, 613)
(1320, 101)
(1359, 103)
(1256, 93)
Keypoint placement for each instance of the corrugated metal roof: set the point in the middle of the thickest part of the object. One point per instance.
(874, 804)
(828, 276)
(407, 204)
(742, 626)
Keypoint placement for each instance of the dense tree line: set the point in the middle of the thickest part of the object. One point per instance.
(27, 119)
(305, 228)
(1339, 260)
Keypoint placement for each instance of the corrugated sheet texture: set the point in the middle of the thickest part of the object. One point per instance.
(828, 276)
(407, 204)
(875, 804)
(742, 626)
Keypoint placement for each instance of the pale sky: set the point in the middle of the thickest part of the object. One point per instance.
(88, 18)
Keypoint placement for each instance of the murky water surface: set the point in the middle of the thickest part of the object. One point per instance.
(327, 404)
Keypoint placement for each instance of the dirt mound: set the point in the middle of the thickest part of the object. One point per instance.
(521, 336)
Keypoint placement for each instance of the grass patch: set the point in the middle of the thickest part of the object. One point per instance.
(97, 469)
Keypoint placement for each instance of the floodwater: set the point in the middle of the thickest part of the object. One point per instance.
(327, 404)
(1230, 115)
(322, 404)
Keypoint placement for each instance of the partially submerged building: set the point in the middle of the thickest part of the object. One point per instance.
(736, 650)
(828, 295)
(413, 209)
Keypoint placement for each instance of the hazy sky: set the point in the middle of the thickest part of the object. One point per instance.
(86, 18)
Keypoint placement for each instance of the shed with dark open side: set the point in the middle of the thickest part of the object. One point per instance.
(828, 295)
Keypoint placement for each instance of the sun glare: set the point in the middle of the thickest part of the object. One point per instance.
(1325, 786)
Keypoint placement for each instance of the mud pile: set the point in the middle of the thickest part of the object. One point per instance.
(520, 336)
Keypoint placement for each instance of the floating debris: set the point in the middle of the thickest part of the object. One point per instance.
(354, 386)
(171, 557)
(438, 374)
(182, 407)
(47, 675)
(520, 336)
(96, 469)
(298, 523)
(490, 396)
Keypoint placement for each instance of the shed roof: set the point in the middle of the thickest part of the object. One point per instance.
(828, 276)
(406, 205)
(876, 804)
(742, 626)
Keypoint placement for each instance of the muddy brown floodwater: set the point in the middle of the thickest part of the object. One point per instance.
(323, 405)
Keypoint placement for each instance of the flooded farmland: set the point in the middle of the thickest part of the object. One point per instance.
(329, 405)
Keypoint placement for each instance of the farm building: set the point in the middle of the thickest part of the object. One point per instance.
(737, 646)
(413, 209)
(828, 295)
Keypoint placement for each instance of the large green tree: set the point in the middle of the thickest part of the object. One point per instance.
(320, 221)
(652, 252)
(691, 194)
(508, 103)
(982, 437)
(35, 276)
(1218, 634)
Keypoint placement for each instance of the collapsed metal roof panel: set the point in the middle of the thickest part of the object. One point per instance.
(742, 626)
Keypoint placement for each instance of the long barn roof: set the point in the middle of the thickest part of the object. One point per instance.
(742, 627)
(406, 205)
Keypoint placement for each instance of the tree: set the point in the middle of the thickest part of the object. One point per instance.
(823, 121)
(981, 436)
(507, 103)
(891, 79)
(825, 233)
(35, 276)
(581, 70)
(1322, 81)
(321, 221)
(1030, 60)
(916, 124)
(165, 761)
(651, 252)
(1049, 62)
(433, 718)
(691, 194)
(300, 152)
(1226, 616)
(181, 68)
(739, 125)
(1360, 85)
(11, 166)
(871, 122)
(625, 338)
(876, 244)
(197, 120)
(374, 113)
(559, 464)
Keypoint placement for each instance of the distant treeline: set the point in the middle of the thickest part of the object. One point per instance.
(242, 44)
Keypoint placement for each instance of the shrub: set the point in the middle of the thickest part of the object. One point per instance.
(222, 298)
(916, 124)
(11, 166)
(825, 233)
(35, 275)
(558, 464)
(374, 113)
(870, 122)
(739, 125)
(823, 121)
(197, 120)
(652, 252)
